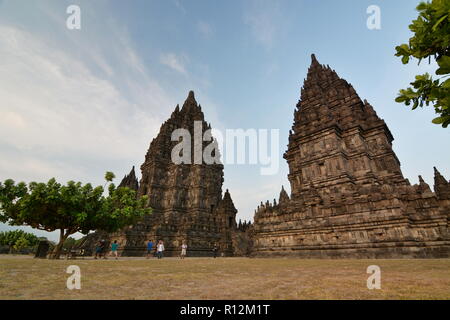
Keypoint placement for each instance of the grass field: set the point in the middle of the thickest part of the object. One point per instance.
(223, 278)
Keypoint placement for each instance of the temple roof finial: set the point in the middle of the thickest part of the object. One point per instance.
(314, 60)
(421, 179)
(190, 103)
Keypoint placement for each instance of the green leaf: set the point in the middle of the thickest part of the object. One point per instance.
(444, 65)
(405, 59)
(438, 120)
(400, 99)
(439, 22)
(109, 176)
(446, 84)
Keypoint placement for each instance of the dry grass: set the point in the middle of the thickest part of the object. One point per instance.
(223, 278)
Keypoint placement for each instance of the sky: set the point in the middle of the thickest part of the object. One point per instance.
(77, 103)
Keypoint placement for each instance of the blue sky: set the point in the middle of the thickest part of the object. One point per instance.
(75, 103)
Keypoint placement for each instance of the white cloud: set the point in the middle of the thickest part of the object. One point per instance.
(205, 29)
(11, 120)
(58, 117)
(180, 6)
(74, 105)
(265, 21)
(173, 61)
(58, 97)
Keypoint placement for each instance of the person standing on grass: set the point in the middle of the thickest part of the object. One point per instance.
(149, 248)
(98, 250)
(183, 250)
(215, 249)
(114, 248)
(160, 249)
(103, 249)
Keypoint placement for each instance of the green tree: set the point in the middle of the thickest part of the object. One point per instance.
(9, 238)
(21, 243)
(69, 243)
(69, 208)
(109, 177)
(431, 39)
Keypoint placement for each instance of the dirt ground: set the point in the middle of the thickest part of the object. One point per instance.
(22, 277)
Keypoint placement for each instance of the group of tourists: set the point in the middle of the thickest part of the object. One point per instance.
(158, 250)
(152, 250)
(101, 249)
(155, 250)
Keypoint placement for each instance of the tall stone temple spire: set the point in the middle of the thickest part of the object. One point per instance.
(186, 198)
(328, 107)
(348, 195)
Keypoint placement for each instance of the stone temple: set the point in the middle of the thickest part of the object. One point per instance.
(186, 199)
(348, 194)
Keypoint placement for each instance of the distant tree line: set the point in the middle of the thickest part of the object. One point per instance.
(17, 240)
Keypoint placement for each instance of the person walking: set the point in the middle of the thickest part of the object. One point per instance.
(103, 249)
(114, 248)
(149, 248)
(160, 249)
(215, 249)
(183, 250)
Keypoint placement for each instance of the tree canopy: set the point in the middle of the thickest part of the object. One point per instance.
(9, 238)
(431, 40)
(71, 242)
(69, 208)
(21, 243)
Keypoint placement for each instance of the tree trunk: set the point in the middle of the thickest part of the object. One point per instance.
(62, 237)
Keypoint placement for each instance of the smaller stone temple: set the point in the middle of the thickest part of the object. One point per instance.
(186, 199)
(130, 181)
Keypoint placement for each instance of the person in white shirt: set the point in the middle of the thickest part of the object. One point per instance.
(183, 250)
(160, 249)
